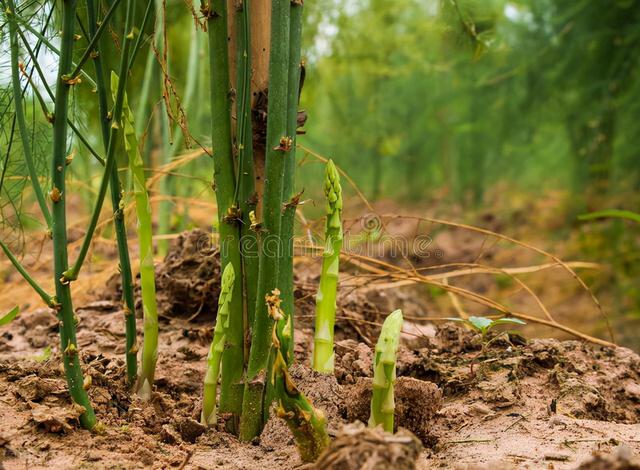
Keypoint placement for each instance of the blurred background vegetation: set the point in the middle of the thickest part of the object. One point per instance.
(520, 115)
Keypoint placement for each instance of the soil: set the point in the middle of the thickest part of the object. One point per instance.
(540, 403)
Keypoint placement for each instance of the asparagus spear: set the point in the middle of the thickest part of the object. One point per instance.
(214, 357)
(384, 373)
(147, 271)
(323, 355)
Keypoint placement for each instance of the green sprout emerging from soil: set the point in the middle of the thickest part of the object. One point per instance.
(384, 373)
(484, 325)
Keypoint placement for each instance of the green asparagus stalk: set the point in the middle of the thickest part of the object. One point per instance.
(384, 373)
(214, 357)
(233, 359)
(145, 240)
(278, 146)
(307, 424)
(289, 196)
(323, 355)
(126, 276)
(66, 316)
(247, 199)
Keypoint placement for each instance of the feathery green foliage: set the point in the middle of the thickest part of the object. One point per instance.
(384, 372)
(214, 357)
(323, 354)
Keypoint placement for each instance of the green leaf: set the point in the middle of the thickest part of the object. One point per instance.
(611, 213)
(480, 323)
(8, 318)
(503, 321)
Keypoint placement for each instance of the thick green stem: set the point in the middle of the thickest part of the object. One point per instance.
(118, 214)
(68, 342)
(22, 125)
(247, 198)
(285, 270)
(216, 350)
(278, 146)
(323, 355)
(307, 424)
(384, 373)
(228, 220)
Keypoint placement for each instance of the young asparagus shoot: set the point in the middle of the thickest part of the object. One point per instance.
(307, 424)
(147, 271)
(214, 357)
(323, 355)
(384, 373)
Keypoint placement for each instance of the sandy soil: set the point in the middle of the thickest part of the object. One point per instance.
(521, 404)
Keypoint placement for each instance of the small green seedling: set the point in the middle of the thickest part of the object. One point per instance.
(483, 325)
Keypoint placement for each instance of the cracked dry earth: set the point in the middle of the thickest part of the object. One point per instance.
(540, 403)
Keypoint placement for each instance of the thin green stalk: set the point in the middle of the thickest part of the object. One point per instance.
(126, 276)
(285, 270)
(323, 355)
(66, 316)
(165, 207)
(114, 136)
(216, 350)
(307, 424)
(47, 298)
(145, 241)
(384, 373)
(247, 199)
(96, 34)
(22, 125)
(224, 178)
(277, 147)
(137, 46)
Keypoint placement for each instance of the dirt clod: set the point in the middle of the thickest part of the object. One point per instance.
(190, 429)
(358, 447)
(417, 401)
